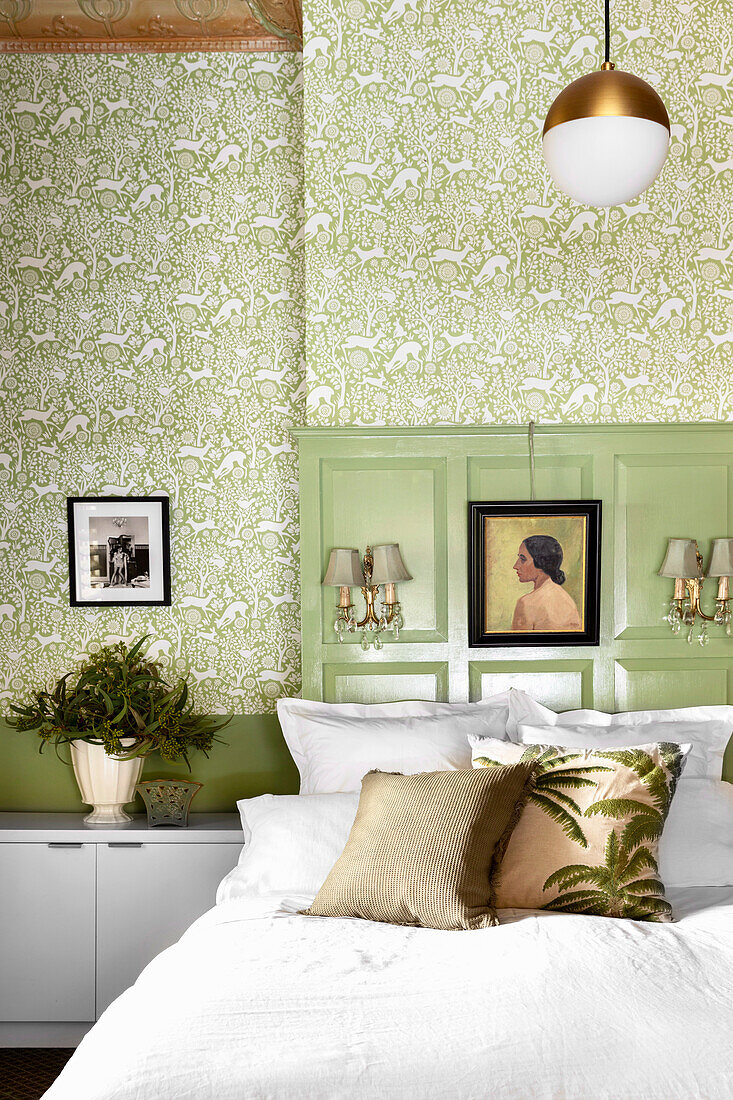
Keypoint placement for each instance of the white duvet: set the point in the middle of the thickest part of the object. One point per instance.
(256, 1001)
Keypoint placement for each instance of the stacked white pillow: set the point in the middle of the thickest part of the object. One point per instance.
(292, 841)
(696, 848)
(334, 745)
(707, 729)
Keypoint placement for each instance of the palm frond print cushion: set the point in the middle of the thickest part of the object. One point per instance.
(588, 838)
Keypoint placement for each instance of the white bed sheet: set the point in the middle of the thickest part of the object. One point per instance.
(257, 1002)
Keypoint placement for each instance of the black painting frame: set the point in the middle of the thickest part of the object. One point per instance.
(164, 504)
(478, 511)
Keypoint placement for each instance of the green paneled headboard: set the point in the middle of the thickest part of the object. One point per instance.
(412, 486)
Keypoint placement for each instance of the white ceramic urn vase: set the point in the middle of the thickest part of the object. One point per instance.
(106, 783)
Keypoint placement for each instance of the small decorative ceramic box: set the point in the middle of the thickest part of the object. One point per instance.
(167, 801)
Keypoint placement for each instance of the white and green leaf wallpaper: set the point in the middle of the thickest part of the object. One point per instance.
(152, 341)
(200, 250)
(448, 281)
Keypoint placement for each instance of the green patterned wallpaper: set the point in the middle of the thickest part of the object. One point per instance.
(156, 241)
(151, 326)
(448, 281)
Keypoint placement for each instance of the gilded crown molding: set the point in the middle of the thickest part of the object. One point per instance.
(125, 26)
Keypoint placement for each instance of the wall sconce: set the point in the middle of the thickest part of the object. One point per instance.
(683, 561)
(381, 566)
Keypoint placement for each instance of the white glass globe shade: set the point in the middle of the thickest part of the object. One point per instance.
(605, 160)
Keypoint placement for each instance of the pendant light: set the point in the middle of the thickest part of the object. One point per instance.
(606, 135)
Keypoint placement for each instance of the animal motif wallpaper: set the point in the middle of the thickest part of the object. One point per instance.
(157, 239)
(152, 342)
(448, 281)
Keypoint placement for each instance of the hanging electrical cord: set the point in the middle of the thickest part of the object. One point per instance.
(607, 21)
(530, 440)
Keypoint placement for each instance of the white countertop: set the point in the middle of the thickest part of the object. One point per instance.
(31, 828)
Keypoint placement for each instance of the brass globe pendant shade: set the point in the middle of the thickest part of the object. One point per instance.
(606, 135)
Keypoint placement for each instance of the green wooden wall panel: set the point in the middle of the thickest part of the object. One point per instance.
(562, 477)
(655, 481)
(373, 682)
(672, 682)
(402, 501)
(562, 685)
(658, 496)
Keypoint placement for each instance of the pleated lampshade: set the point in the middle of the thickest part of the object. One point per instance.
(389, 567)
(680, 560)
(344, 569)
(721, 560)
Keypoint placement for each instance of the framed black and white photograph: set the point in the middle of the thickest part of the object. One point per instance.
(534, 572)
(119, 551)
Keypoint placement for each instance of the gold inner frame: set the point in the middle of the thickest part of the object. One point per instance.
(582, 610)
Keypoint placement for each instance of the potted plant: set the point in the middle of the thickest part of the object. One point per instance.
(113, 711)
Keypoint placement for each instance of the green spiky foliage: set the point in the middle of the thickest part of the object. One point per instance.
(617, 888)
(555, 777)
(659, 779)
(647, 821)
(118, 693)
(620, 887)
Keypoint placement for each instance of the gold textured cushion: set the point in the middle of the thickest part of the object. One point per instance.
(422, 848)
(587, 840)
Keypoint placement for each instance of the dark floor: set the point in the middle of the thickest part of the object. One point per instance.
(26, 1073)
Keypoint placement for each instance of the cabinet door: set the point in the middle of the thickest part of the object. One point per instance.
(147, 896)
(46, 932)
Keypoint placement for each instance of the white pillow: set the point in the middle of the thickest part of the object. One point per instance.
(698, 764)
(708, 729)
(696, 848)
(334, 745)
(314, 708)
(291, 842)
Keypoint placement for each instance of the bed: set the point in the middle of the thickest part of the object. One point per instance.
(258, 1001)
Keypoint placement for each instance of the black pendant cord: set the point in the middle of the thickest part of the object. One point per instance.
(607, 22)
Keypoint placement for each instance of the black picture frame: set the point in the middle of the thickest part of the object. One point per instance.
(158, 561)
(481, 512)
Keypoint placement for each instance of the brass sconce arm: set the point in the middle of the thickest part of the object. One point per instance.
(371, 619)
(694, 589)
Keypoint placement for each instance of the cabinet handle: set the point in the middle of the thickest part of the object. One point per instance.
(124, 844)
(65, 844)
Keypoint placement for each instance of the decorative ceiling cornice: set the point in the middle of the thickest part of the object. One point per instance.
(125, 26)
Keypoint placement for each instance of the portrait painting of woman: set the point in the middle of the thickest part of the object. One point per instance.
(548, 606)
(534, 573)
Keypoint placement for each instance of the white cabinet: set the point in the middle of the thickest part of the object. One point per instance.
(84, 909)
(46, 932)
(146, 898)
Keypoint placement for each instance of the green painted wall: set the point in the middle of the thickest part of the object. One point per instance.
(254, 759)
